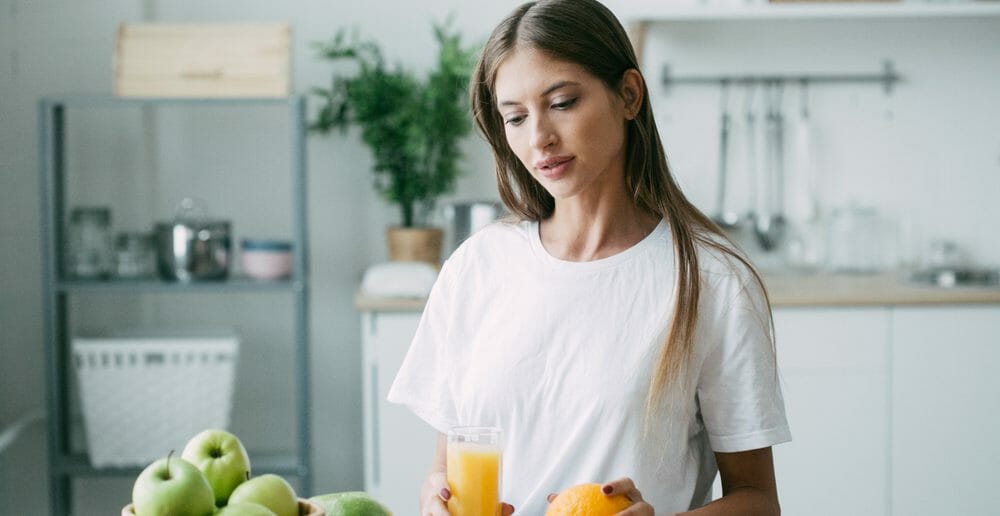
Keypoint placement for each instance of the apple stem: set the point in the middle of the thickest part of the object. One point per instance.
(168, 463)
(248, 474)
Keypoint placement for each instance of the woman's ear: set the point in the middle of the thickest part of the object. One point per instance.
(631, 89)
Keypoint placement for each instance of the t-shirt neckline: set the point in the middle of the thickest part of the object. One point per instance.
(533, 228)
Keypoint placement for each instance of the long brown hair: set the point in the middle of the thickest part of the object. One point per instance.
(586, 33)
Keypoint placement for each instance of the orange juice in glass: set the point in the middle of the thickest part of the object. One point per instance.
(474, 471)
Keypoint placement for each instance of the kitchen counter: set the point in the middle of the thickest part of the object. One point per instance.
(798, 290)
(791, 290)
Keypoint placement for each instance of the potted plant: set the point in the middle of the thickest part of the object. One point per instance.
(412, 125)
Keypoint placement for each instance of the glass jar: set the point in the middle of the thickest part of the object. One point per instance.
(135, 255)
(89, 254)
(857, 240)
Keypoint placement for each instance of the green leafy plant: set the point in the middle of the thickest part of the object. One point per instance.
(412, 125)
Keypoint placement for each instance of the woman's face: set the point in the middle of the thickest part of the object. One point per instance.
(564, 124)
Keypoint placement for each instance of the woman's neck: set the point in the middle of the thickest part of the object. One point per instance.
(584, 229)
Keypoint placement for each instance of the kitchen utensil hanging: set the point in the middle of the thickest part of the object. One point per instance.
(751, 151)
(725, 217)
(800, 178)
(765, 162)
(805, 237)
(769, 222)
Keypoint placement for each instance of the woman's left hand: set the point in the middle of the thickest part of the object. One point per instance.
(625, 486)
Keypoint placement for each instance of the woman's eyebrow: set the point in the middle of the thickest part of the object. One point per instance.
(550, 89)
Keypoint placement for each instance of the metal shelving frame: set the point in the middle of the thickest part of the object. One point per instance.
(64, 464)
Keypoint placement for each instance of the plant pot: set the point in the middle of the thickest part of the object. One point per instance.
(415, 244)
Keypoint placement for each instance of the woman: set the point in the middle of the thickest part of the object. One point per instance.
(611, 332)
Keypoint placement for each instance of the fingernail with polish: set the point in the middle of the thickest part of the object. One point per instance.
(445, 494)
(606, 489)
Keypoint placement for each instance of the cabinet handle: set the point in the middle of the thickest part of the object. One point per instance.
(376, 436)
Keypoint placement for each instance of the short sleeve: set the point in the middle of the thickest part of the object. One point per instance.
(422, 381)
(739, 392)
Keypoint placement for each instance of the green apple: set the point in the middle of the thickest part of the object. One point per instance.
(269, 490)
(172, 486)
(222, 458)
(244, 509)
(350, 503)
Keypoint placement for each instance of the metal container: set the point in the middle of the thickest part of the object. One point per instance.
(466, 217)
(189, 251)
(191, 247)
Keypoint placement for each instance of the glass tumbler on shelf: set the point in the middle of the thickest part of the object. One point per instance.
(474, 471)
(135, 255)
(89, 254)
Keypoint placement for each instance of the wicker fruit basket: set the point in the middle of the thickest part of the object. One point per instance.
(306, 508)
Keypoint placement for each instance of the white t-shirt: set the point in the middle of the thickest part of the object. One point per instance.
(558, 355)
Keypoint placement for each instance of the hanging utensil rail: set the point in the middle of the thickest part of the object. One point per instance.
(887, 78)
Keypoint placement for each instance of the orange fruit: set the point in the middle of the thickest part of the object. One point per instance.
(587, 500)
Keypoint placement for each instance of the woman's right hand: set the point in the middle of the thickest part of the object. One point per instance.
(434, 495)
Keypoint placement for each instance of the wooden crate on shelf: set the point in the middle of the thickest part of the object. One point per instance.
(203, 60)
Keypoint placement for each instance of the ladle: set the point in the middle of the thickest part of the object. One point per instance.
(724, 217)
(769, 223)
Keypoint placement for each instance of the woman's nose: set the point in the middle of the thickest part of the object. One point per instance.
(542, 134)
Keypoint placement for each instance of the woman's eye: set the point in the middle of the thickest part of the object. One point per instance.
(564, 104)
(514, 120)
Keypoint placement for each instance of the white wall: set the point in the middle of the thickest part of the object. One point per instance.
(927, 156)
(935, 162)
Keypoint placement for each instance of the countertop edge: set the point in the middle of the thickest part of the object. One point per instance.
(800, 290)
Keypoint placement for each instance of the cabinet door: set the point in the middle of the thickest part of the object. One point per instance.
(833, 363)
(945, 410)
(399, 446)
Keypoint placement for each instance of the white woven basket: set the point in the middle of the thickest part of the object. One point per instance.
(145, 396)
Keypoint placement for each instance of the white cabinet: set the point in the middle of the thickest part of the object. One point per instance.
(833, 364)
(946, 410)
(398, 445)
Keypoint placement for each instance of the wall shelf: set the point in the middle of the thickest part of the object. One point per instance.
(820, 11)
(237, 284)
(111, 101)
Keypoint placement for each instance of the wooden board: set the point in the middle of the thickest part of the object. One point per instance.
(203, 60)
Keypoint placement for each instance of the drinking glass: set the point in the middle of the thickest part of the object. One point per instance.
(474, 471)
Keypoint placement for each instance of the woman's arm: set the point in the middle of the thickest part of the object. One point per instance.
(748, 486)
(432, 499)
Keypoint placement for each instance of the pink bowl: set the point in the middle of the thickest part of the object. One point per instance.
(267, 259)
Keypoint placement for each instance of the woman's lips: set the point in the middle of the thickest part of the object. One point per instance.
(555, 167)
